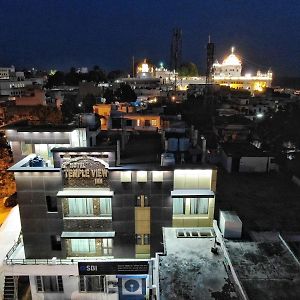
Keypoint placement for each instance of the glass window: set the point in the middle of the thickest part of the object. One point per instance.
(126, 176)
(105, 206)
(153, 122)
(49, 284)
(41, 150)
(51, 204)
(142, 201)
(198, 206)
(157, 176)
(178, 206)
(80, 207)
(146, 239)
(138, 239)
(83, 245)
(92, 283)
(106, 246)
(55, 242)
(26, 149)
(141, 176)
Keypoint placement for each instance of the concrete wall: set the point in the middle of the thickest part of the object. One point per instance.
(226, 161)
(71, 291)
(37, 223)
(254, 164)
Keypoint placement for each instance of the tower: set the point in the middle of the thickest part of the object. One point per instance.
(176, 49)
(210, 50)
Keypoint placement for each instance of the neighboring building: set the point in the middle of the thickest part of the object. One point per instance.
(125, 116)
(229, 73)
(237, 157)
(5, 73)
(31, 96)
(90, 88)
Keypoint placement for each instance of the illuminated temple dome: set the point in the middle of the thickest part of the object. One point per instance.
(232, 59)
(144, 70)
(229, 73)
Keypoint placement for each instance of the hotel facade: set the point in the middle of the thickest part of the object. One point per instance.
(90, 224)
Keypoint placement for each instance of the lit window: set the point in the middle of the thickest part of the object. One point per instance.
(80, 207)
(141, 176)
(142, 201)
(126, 176)
(190, 206)
(142, 239)
(154, 122)
(157, 176)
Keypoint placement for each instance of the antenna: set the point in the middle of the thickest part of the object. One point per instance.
(132, 66)
(210, 51)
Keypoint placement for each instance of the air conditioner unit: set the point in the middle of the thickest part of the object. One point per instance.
(132, 286)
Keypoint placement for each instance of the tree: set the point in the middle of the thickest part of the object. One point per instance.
(115, 74)
(69, 108)
(125, 93)
(188, 69)
(108, 95)
(279, 127)
(58, 78)
(87, 103)
(96, 75)
(72, 78)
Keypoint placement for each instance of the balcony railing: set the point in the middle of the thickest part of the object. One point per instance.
(52, 261)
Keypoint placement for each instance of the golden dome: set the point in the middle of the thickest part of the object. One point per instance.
(232, 59)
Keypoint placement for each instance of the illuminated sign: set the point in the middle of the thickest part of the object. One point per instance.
(84, 172)
(113, 268)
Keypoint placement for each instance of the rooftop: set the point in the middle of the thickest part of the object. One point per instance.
(267, 270)
(190, 270)
(243, 149)
(25, 126)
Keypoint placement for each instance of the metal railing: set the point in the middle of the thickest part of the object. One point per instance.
(14, 247)
(52, 261)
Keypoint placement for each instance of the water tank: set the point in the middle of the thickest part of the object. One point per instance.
(230, 225)
(172, 144)
(184, 144)
(167, 159)
(37, 162)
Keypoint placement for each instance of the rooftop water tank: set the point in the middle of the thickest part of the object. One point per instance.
(230, 225)
(167, 159)
(184, 144)
(37, 162)
(172, 144)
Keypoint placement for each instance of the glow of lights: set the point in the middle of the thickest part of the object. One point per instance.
(248, 75)
(161, 64)
(232, 59)
(173, 98)
(145, 68)
(259, 115)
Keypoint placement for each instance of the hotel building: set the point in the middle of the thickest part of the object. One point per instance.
(90, 225)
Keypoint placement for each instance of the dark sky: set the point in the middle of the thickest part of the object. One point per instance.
(65, 33)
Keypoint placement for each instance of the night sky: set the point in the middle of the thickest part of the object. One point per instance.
(65, 33)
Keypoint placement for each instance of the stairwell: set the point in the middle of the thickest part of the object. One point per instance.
(10, 288)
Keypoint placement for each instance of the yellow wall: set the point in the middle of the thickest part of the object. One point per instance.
(142, 226)
(103, 110)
